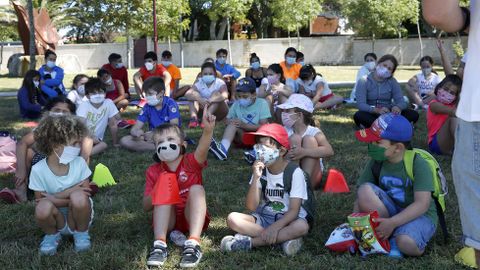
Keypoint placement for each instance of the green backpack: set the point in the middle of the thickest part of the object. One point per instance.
(439, 181)
(309, 204)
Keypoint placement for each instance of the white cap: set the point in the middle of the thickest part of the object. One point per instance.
(298, 101)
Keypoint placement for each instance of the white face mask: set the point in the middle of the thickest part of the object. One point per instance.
(148, 66)
(152, 100)
(166, 63)
(168, 151)
(287, 120)
(370, 65)
(69, 154)
(50, 64)
(383, 72)
(266, 154)
(119, 65)
(97, 98)
(36, 83)
(109, 81)
(81, 89)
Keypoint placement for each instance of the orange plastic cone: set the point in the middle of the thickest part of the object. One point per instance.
(335, 182)
(166, 190)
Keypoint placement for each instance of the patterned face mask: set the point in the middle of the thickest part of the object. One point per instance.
(266, 154)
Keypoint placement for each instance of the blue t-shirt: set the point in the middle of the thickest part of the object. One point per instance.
(227, 69)
(252, 114)
(155, 118)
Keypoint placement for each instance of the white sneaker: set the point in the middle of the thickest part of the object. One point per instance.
(291, 247)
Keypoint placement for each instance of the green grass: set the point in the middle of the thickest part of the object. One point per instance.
(330, 73)
(122, 234)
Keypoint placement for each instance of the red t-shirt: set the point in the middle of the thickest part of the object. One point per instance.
(157, 72)
(114, 93)
(189, 173)
(120, 74)
(435, 121)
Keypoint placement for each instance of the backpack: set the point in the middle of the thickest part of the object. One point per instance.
(8, 159)
(309, 204)
(439, 181)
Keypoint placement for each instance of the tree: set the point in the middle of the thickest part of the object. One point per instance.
(260, 14)
(380, 18)
(235, 10)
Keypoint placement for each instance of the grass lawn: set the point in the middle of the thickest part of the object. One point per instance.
(330, 73)
(122, 234)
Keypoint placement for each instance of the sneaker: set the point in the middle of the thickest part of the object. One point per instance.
(250, 156)
(50, 243)
(236, 243)
(158, 254)
(193, 123)
(191, 254)
(81, 241)
(291, 247)
(218, 150)
(123, 124)
(7, 195)
(178, 238)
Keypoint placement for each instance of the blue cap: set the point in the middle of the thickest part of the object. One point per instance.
(389, 126)
(246, 85)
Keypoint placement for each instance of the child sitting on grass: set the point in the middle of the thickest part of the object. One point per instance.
(99, 112)
(441, 119)
(308, 143)
(60, 181)
(408, 216)
(159, 110)
(247, 114)
(280, 215)
(190, 215)
(315, 87)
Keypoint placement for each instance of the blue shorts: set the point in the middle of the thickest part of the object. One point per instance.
(266, 217)
(420, 229)
(434, 147)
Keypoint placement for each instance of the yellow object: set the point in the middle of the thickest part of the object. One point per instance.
(102, 176)
(466, 256)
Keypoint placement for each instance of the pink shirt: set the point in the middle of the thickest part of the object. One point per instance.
(435, 121)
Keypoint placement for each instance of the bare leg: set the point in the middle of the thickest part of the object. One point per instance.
(446, 136)
(163, 220)
(195, 210)
(48, 217)
(408, 246)
(368, 201)
(219, 109)
(329, 103)
(180, 92)
(244, 224)
(295, 229)
(122, 104)
(311, 165)
(81, 211)
(99, 148)
(229, 133)
(137, 144)
(414, 97)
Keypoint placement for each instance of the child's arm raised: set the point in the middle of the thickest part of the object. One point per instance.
(254, 192)
(208, 121)
(439, 108)
(416, 209)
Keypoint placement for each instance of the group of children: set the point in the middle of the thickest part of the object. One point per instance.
(271, 114)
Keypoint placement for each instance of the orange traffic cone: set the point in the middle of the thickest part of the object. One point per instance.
(335, 182)
(166, 190)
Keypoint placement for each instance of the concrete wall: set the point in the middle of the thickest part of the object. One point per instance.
(332, 50)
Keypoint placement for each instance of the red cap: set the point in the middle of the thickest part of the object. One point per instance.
(275, 131)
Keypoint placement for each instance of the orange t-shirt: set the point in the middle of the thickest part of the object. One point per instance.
(175, 73)
(291, 73)
(146, 74)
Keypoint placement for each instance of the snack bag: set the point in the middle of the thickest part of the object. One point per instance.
(342, 240)
(363, 229)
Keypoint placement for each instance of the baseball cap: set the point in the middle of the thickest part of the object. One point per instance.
(298, 101)
(388, 126)
(246, 84)
(275, 131)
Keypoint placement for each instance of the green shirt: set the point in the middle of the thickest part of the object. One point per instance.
(395, 182)
(252, 114)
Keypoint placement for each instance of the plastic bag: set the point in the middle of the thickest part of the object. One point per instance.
(342, 240)
(363, 228)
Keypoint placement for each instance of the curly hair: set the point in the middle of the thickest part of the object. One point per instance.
(54, 131)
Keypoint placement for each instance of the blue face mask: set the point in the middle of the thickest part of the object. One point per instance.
(255, 65)
(208, 79)
(302, 63)
(166, 63)
(291, 60)
(244, 102)
(221, 60)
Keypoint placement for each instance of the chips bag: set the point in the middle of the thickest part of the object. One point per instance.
(363, 228)
(342, 240)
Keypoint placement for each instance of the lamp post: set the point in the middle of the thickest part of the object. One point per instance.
(155, 36)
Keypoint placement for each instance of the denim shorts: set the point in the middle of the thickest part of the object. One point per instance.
(66, 229)
(266, 217)
(420, 229)
(466, 177)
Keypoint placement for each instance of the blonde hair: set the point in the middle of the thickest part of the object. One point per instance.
(54, 131)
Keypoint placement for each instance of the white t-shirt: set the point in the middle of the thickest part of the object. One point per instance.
(426, 86)
(278, 199)
(76, 98)
(205, 91)
(97, 118)
(43, 179)
(312, 87)
(468, 108)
